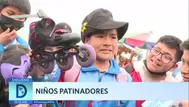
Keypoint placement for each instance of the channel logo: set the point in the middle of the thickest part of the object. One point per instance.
(21, 91)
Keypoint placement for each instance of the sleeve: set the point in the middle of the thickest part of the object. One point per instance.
(57, 75)
(128, 103)
(128, 76)
(19, 40)
(1, 48)
(22, 41)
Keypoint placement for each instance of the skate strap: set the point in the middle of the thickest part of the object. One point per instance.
(72, 74)
(68, 103)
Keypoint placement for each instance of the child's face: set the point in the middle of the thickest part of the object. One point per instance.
(161, 59)
(185, 66)
(105, 44)
(12, 10)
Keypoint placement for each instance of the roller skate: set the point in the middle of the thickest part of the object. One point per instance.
(66, 40)
(47, 33)
(41, 62)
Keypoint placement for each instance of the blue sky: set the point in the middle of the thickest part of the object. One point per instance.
(160, 16)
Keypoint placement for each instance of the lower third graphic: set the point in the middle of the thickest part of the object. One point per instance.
(20, 91)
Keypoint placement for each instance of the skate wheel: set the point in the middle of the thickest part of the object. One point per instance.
(66, 63)
(36, 70)
(50, 68)
(44, 64)
(89, 55)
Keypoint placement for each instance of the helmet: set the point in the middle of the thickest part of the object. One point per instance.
(14, 63)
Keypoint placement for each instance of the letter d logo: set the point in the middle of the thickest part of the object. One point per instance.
(21, 91)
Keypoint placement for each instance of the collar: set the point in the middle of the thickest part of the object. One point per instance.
(113, 69)
(145, 66)
(18, 40)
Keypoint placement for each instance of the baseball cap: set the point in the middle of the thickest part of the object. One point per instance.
(102, 19)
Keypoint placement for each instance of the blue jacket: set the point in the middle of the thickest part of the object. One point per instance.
(19, 40)
(53, 77)
(91, 74)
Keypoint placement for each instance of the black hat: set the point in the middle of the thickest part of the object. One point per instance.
(102, 19)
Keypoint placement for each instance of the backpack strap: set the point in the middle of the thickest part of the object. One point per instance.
(123, 76)
(21, 41)
(72, 74)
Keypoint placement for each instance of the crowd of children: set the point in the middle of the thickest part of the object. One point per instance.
(37, 60)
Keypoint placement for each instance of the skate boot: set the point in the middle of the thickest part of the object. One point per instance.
(85, 54)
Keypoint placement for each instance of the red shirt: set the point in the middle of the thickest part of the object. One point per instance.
(61, 78)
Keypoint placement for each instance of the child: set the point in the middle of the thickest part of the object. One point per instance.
(185, 61)
(102, 32)
(43, 54)
(14, 63)
(9, 26)
(185, 67)
(46, 55)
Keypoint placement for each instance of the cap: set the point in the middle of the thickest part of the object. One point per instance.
(102, 19)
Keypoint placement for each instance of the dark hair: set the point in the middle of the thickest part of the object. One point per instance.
(97, 32)
(185, 45)
(173, 43)
(12, 54)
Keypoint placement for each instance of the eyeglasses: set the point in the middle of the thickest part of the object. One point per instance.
(166, 58)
